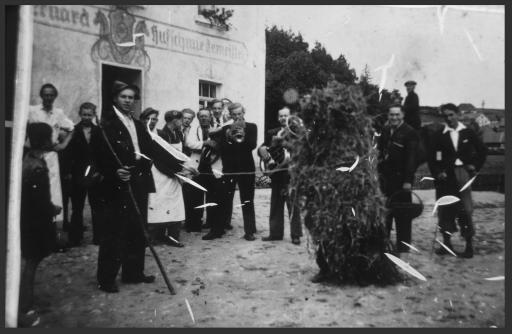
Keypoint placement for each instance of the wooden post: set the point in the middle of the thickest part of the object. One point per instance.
(20, 115)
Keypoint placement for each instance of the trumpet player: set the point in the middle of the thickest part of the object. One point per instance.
(272, 151)
(237, 141)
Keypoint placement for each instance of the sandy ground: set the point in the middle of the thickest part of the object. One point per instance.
(231, 282)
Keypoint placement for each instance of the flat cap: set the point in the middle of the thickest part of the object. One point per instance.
(410, 82)
(172, 114)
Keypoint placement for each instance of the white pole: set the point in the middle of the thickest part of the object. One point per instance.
(20, 115)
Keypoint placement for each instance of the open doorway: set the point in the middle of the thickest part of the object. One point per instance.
(111, 73)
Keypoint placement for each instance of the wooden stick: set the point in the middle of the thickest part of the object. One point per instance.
(139, 216)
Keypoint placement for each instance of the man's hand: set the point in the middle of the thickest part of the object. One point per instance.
(407, 186)
(263, 152)
(210, 143)
(56, 210)
(124, 173)
(442, 176)
(471, 170)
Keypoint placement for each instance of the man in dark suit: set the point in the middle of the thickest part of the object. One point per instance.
(84, 177)
(411, 106)
(279, 184)
(457, 155)
(236, 143)
(397, 163)
(123, 241)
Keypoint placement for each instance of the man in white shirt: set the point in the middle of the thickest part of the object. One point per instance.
(457, 155)
(199, 141)
(122, 161)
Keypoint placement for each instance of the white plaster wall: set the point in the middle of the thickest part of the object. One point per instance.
(63, 57)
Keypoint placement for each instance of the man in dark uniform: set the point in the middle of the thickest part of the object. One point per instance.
(123, 243)
(84, 177)
(397, 163)
(411, 106)
(236, 143)
(456, 156)
(279, 184)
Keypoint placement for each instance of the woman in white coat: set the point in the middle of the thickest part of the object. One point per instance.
(166, 208)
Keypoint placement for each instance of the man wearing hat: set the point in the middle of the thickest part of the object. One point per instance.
(237, 141)
(411, 106)
(119, 158)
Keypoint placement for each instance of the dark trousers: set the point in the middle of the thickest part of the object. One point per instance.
(278, 198)
(122, 243)
(463, 210)
(246, 183)
(395, 194)
(79, 192)
(159, 231)
(216, 194)
(67, 191)
(193, 197)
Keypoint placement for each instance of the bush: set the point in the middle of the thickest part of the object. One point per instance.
(339, 130)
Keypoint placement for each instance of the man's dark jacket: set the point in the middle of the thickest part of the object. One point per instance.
(280, 176)
(237, 157)
(79, 154)
(411, 109)
(471, 151)
(119, 138)
(397, 155)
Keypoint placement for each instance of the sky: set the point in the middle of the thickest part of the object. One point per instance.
(455, 54)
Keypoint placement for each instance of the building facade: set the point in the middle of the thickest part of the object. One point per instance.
(177, 55)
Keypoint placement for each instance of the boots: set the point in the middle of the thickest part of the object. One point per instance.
(468, 251)
(441, 250)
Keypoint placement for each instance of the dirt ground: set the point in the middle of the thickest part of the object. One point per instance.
(231, 282)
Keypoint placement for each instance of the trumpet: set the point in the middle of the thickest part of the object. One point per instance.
(236, 133)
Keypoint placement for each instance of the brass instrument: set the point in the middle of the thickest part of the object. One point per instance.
(279, 155)
(236, 132)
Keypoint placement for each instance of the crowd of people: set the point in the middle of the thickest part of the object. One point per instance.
(137, 194)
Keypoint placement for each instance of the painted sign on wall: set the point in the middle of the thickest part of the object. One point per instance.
(117, 28)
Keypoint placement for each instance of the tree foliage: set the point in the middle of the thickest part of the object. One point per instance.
(290, 64)
(344, 210)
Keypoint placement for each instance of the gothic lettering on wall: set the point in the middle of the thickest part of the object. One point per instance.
(120, 39)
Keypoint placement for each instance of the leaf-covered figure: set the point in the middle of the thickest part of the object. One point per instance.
(344, 211)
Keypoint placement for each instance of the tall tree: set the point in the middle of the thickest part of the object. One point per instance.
(291, 65)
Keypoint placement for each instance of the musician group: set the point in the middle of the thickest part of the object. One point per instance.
(147, 184)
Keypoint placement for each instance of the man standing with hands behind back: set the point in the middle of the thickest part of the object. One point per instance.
(457, 155)
(397, 163)
(122, 243)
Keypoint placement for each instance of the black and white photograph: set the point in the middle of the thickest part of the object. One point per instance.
(268, 166)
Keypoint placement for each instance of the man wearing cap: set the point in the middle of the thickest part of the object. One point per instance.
(457, 155)
(119, 157)
(411, 106)
(237, 141)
